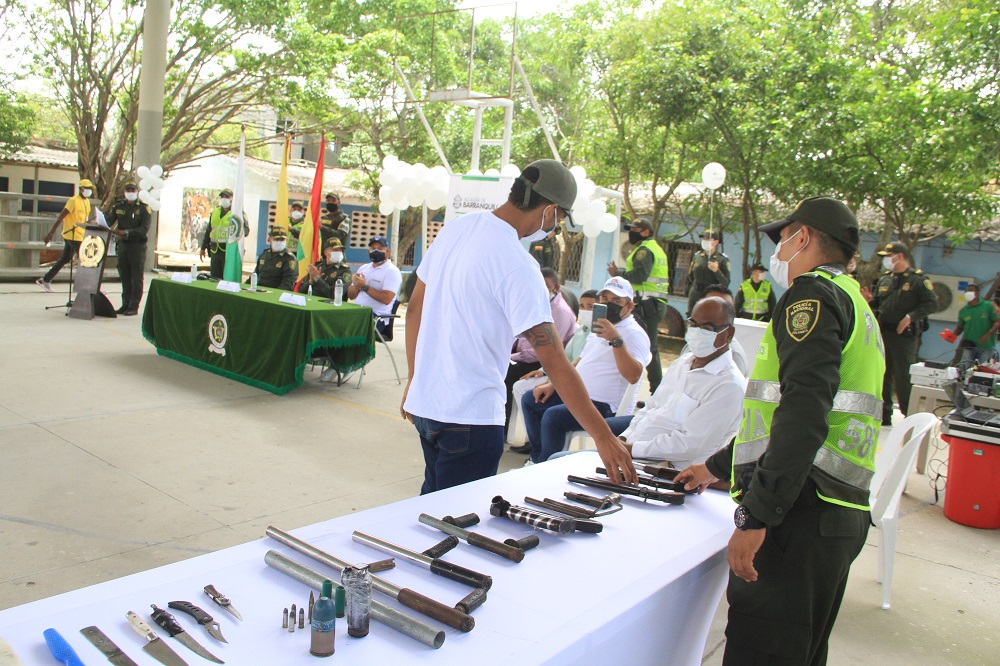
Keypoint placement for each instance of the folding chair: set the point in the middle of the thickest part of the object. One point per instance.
(625, 408)
(384, 333)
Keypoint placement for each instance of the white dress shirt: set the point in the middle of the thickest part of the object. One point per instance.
(692, 414)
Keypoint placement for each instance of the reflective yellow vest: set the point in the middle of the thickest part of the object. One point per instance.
(658, 282)
(755, 299)
(220, 226)
(846, 461)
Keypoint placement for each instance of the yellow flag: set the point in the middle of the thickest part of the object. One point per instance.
(281, 208)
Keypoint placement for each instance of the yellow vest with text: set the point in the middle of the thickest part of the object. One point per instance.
(846, 461)
(658, 282)
(220, 226)
(755, 301)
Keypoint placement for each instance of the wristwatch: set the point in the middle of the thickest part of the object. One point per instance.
(617, 342)
(744, 521)
(365, 289)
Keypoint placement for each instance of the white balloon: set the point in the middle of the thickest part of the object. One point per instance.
(144, 196)
(588, 187)
(437, 200)
(597, 209)
(578, 172)
(439, 171)
(389, 178)
(387, 193)
(511, 170)
(474, 172)
(389, 161)
(154, 195)
(154, 205)
(142, 172)
(156, 171)
(145, 183)
(592, 228)
(402, 203)
(386, 207)
(609, 222)
(713, 175)
(492, 172)
(157, 183)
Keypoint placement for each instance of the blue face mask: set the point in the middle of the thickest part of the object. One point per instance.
(377, 256)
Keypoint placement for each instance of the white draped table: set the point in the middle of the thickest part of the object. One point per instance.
(644, 591)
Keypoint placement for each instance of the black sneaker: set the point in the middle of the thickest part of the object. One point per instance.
(523, 448)
(121, 310)
(130, 313)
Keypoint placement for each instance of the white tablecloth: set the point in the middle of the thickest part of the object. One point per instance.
(643, 591)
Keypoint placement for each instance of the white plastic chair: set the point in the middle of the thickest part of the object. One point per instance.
(625, 407)
(892, 466)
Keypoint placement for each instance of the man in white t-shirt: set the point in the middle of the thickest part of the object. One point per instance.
(477, 288)
(376, 284)
(617, 350)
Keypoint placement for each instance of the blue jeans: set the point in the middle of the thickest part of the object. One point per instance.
(976, 355)
(456, 453)
(548, 422)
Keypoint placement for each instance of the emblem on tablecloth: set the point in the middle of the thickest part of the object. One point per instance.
(218, 334)
(91, 251)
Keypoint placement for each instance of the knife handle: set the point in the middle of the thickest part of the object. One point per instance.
(166, 620)
(61, 649)
(200, 616)
(141, 627)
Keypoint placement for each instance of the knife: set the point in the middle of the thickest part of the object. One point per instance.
(201, 617)
(222, 600)
(156, 646)
(60, 648)
(166, 620)
(105, 645)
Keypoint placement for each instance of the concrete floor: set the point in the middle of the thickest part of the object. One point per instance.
(114, 460)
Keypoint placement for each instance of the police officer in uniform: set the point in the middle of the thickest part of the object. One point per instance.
(646, 268)
(276, 266)
(335, 220)
(903, 299)
(323, 275)
(129, 222)
(544, 250)
(708, 266)
(755, 298)
(802, 462)
(217, 234)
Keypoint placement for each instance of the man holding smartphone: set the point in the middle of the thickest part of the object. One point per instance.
(476, 289)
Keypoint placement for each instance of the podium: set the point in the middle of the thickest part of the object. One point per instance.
(89, 301)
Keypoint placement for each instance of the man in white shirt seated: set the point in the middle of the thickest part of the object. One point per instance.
(616, 352)
(376, 284)
(697, 407)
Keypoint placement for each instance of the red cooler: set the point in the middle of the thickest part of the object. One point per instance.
(970, 495)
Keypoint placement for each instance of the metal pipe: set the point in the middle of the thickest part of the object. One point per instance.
(414, 600)
(420, 113)
(390, 617)
(537, 109)
(473, 539)
(437, 566)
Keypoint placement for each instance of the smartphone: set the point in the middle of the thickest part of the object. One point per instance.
(600, 312)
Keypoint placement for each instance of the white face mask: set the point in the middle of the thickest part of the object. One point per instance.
(701, 342)
(586, 318)
(86, 193)
(887, 263)
(296, 215)
(225, 203)
(279, 246)
(779, 268)
(971, 296)
(542, 232)
(131, 196)
(334, 257)
(707, 245)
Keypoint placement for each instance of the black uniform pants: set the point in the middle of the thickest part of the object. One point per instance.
(218, 259)
(70, 248)
(786, 617)
(649, 312)
(514, 372)
(900, 354)
(131, 261)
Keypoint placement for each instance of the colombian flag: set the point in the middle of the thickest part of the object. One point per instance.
(309, 250)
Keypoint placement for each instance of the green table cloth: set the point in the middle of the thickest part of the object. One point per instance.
(252, 337)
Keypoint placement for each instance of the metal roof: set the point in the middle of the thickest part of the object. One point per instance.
(41, 156)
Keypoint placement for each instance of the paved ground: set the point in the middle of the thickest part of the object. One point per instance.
(114, 460)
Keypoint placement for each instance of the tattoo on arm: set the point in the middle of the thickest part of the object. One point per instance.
(542, 335)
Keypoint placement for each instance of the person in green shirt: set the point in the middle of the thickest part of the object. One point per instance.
(978, 323)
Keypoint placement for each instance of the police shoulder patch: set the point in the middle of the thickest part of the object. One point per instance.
(801, 318)
(291, 264)
(641, 253)
(928, 285)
